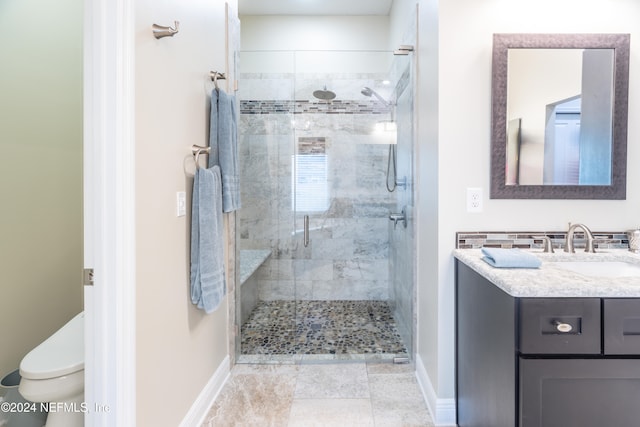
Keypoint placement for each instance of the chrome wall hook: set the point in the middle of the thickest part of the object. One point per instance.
(160, 31)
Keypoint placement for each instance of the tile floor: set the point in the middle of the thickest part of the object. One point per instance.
(336, 394)
(322, 328)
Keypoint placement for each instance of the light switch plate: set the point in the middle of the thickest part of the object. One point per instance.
(181, 203)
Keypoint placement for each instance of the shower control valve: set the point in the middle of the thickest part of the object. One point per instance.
(395, 217)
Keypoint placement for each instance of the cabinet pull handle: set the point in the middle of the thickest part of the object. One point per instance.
(562, 327)
(306, 231)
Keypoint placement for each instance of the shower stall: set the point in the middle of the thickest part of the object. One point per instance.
(325, 246)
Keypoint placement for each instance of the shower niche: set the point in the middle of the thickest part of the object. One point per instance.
(320, 278)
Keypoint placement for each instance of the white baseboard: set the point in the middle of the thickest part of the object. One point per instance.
(443, 411)
(200, 408)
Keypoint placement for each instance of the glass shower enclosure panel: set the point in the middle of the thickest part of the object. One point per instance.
(342, 274)
(402, 258)
(265, 226)
(315, 136)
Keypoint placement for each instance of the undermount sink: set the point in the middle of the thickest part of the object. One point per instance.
(601, 268)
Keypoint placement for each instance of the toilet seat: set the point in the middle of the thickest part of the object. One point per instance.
(60, 354)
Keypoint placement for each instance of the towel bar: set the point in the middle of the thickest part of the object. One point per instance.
(197, 150)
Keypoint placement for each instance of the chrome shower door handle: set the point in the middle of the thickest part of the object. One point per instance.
(306, 231)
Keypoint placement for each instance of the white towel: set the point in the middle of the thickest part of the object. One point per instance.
(208, 285)
(223, 140)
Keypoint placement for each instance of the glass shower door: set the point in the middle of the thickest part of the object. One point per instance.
(265, 295)
(342, 274)
(402, 243)
(315, 131)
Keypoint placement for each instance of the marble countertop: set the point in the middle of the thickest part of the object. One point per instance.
(552, 281)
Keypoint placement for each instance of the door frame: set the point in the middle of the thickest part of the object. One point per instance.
(109, 212)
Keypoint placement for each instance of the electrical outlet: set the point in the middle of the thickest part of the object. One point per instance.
(474, 199)
(181, 203)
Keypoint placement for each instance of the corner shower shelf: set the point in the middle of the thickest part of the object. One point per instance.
(250, 260)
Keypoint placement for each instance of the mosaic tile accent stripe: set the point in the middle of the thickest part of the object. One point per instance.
(312, 107)
(526, 239)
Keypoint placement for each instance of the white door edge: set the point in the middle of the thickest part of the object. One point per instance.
(109, 212)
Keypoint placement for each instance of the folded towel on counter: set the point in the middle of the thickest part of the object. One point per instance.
(208, 286)
(223, 140)
(510, 258)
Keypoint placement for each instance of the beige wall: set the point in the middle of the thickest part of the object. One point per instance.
(40, 172)
(456, 50)
(178, 346)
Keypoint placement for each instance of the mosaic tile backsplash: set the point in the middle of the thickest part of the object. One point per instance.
(527, 239)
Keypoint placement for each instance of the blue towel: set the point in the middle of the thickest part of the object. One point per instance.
(510, 258)
(223, 140)
(208, 286)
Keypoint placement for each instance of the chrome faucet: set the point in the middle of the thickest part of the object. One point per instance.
(546, 240)
(568, 243)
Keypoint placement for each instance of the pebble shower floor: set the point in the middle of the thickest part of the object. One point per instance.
(321, 327)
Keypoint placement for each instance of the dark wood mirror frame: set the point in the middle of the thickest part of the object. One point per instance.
(501, 45)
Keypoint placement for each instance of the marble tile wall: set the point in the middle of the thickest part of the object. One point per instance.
(348, 254)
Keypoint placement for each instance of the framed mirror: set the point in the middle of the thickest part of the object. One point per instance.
(559, 117)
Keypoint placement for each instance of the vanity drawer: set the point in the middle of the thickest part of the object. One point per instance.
(621, 326)
(560, 326)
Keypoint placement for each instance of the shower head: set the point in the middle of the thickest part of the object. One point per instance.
(324, 94)
(367, 91)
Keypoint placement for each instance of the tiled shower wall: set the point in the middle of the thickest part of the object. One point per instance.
(348, 254)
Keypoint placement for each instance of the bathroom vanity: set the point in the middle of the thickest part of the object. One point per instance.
(547, 347)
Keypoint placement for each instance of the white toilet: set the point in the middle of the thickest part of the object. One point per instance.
(53, 372)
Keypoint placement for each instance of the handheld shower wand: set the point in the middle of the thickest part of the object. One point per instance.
(367, 91)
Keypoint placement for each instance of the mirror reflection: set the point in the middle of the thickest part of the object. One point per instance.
(559, 116)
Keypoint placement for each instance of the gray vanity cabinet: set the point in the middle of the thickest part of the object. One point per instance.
(544, 362)
(579, 392)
